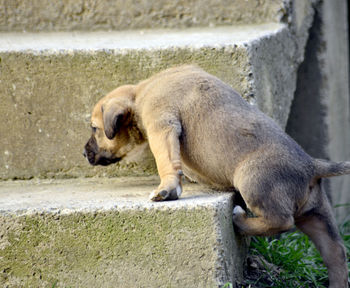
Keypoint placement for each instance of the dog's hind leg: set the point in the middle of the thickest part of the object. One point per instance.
(269, 202)
(165, 146)
(260, 226)
(319, 225)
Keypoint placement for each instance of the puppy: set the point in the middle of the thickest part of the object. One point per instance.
(195, 123)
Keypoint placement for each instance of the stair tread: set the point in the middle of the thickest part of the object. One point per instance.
(147, 39)
(91, 194)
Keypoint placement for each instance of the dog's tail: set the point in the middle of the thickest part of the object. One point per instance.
(324, 168)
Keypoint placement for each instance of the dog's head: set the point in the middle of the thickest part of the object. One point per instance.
(115, 132)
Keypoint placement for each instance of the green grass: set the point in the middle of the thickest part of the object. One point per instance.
(295, 261)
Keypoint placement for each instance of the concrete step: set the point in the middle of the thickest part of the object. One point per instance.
(49, 83)
(106, 233)
(44, 15)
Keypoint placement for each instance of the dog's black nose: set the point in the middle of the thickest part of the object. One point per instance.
(91, 150)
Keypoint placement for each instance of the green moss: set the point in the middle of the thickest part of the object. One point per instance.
(45, 249)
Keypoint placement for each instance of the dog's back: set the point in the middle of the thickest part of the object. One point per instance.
(219, 129)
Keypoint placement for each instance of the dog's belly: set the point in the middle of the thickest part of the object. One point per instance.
(204, 177)
(210, 160)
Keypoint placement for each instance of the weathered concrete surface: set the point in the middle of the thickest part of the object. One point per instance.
(320, 119)
(336, 36)
(105, 233)
(46, 15)
(275, 61)
(50, 82)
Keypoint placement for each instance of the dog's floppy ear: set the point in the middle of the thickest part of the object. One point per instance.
(114, 117)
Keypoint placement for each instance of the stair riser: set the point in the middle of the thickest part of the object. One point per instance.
(45, 15)
(48, 98)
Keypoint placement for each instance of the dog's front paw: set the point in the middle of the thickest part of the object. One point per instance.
(166, 194)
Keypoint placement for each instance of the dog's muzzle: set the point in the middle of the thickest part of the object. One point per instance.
(96, 157)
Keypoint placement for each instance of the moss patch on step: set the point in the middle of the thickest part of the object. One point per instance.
(160, 248)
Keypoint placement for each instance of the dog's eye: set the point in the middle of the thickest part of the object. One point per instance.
(94, 129)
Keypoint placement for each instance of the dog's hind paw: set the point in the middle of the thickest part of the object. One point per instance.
(238, 210)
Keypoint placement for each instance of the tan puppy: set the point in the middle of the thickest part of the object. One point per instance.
(196, 123)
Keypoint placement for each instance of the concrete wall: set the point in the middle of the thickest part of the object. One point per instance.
(336, 37)
(319, 118)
